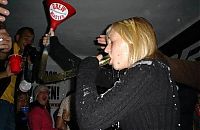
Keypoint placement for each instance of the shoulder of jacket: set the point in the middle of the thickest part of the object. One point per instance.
(151, 62)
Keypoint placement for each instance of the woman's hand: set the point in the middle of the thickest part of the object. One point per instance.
(102, 41)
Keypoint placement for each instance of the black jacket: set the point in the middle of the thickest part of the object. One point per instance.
(4, 82)
(143, 98)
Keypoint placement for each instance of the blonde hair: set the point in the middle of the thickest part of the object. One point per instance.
(139, 35)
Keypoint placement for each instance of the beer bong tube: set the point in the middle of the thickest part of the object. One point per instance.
(105, 60)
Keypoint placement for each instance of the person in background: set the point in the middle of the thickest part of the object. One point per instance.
(9, 82)
(5, 44)
(63, 116)
(39, 117)
(144, 96)
(22, 100)
(24, 37)
(22, 108)
(5, 39)
(7, 119)
(24, 46)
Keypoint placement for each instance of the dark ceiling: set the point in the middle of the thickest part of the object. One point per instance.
(169, 18)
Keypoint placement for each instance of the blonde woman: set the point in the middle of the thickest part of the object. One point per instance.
(143, 98)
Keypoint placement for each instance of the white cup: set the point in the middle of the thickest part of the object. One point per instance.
(24, 86)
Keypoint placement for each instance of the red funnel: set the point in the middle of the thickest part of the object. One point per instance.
(59, 11)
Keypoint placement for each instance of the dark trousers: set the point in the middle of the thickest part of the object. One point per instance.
(7, 115)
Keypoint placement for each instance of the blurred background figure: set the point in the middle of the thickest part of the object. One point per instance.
(5, 42)
(7, 117)
(63, 116)
(39, 116)
(10, 81)
(22, 109)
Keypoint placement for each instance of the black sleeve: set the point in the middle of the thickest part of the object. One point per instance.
(62, 56)
(100, 111)
(36, 66)
(106, 78)
(4, 82)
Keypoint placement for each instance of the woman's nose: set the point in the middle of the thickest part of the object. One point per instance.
(108, 48)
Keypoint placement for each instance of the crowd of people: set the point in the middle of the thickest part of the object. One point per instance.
(136, 91)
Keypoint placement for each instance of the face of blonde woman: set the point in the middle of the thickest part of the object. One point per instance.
(118, 50)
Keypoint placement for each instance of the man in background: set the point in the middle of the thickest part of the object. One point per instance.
(9, 81)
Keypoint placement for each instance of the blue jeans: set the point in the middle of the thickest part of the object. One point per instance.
(7, 115)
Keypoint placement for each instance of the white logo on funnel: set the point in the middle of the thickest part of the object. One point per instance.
(58, 11)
